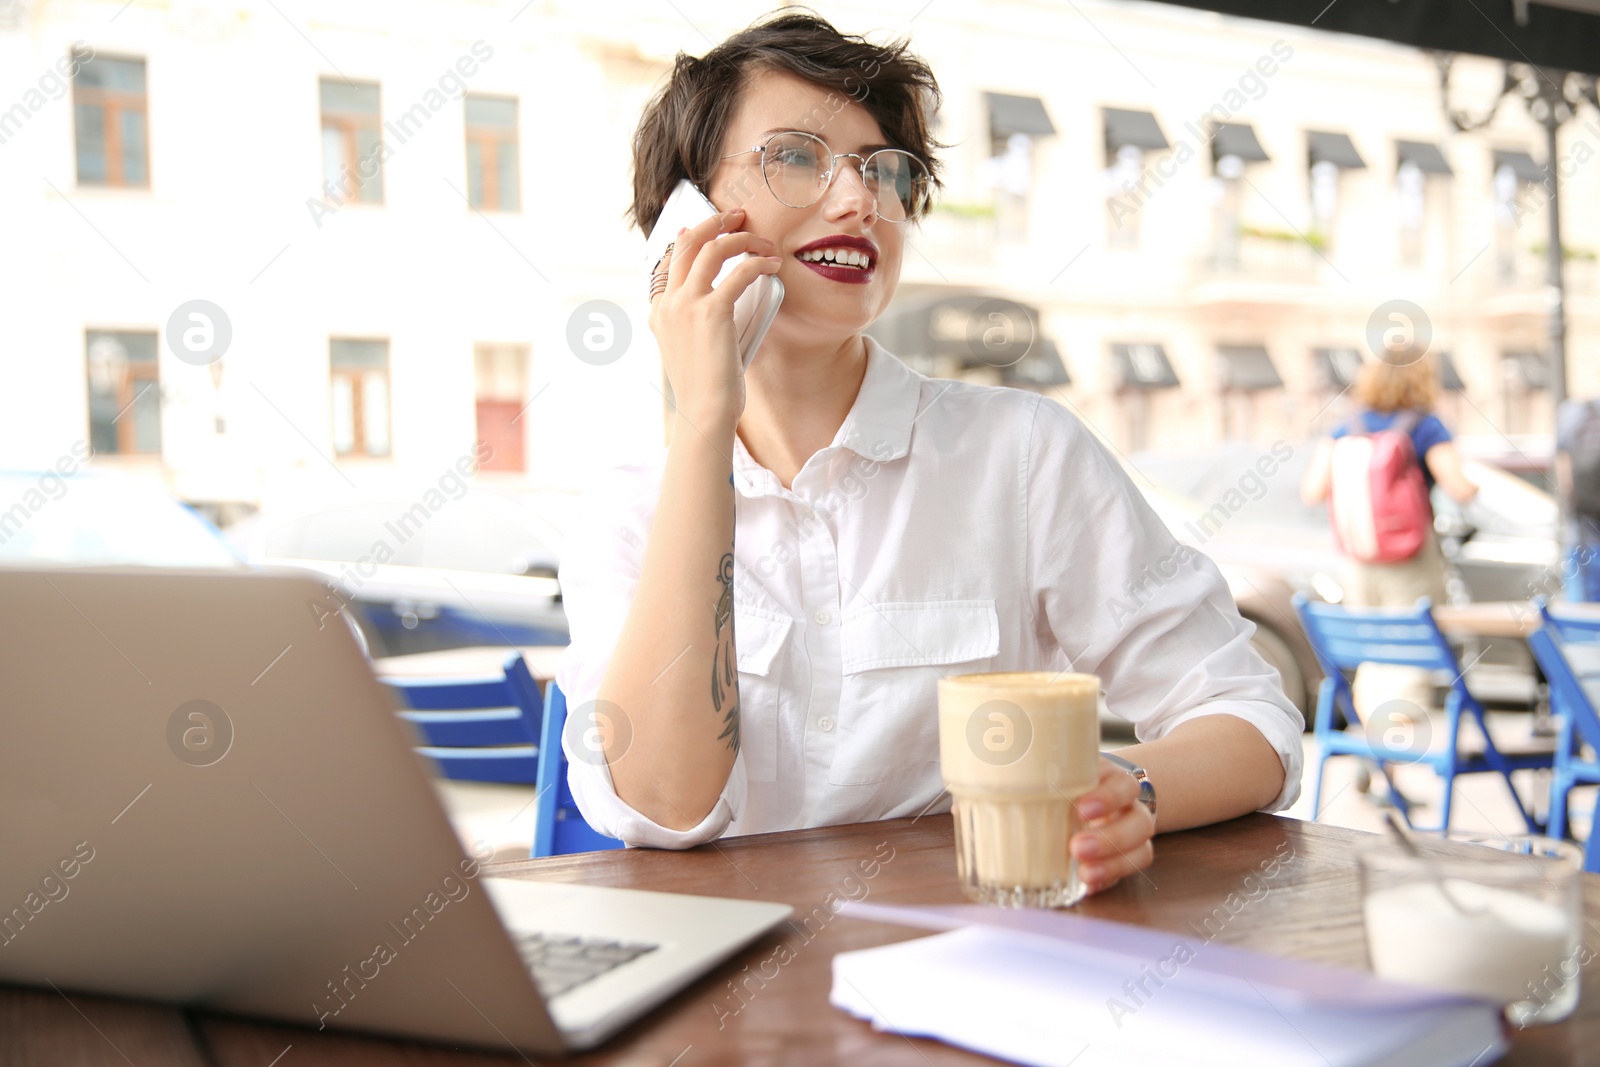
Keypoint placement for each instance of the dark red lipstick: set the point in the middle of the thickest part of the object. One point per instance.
(853, 262)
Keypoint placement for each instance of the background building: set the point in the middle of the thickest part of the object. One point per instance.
(398, 217)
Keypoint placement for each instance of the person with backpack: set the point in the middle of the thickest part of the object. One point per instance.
(1578, 479)
(1376, 471)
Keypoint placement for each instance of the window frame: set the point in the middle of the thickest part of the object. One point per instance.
(128, 391)
(113, 104)
(348, 124)
(489, 397)
(491, 141)
(356, 376)
(1124, 234)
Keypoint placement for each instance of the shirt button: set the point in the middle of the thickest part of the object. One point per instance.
(822, 618)
(825, 724)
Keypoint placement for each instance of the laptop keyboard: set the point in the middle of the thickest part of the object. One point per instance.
(560, 962)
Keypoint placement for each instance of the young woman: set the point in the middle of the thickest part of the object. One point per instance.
(760, 614)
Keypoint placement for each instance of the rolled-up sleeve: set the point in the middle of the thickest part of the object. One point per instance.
(599, 575)
(1153, 618)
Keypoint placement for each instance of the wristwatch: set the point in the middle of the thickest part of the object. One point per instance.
(1147, 792)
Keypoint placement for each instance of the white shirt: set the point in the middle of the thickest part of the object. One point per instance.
(949, 528)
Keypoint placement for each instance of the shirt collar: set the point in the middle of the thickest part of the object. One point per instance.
(878, 426)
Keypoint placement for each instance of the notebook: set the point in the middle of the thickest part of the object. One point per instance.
(1054, 989)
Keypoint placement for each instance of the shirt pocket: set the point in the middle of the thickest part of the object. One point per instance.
(893, 657)
(759, 638)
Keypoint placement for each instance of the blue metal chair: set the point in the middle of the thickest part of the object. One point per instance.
(1574, 707)
(1345, 638)
(558, 827)
(1569, 628)
(1580, 638)
(477, 729)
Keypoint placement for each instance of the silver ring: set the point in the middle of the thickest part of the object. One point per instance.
(658, 277)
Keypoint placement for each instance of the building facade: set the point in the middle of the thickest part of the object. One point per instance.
(257, 250)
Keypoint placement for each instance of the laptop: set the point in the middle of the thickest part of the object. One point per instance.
(206, 798)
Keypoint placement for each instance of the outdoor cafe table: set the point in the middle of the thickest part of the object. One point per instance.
(1500, 618)
(1490, 618)
(1515, 620)
(1312, 911)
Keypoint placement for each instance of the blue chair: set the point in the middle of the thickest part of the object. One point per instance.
(1345, 638)
(1569, 628)
(1580, 638)
(482, 729)
(559, 828)
(1574, 707)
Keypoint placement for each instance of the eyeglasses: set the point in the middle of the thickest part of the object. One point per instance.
(799, 168)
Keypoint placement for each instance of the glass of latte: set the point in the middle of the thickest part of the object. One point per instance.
(1016, 750)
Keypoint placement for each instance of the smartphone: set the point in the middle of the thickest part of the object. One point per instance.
(756, 307)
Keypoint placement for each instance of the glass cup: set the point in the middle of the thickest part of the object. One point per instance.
(1491, 917)
(1016, 750)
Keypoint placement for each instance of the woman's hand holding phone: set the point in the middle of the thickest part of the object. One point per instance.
(693, 322)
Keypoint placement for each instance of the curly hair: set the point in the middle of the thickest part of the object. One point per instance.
(680, 134)
(1386, 386)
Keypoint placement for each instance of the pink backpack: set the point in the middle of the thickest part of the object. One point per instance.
(1378, 499)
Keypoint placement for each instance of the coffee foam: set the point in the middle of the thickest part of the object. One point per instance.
(1019, 733)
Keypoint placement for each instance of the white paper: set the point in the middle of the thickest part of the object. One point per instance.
(1037, 1000)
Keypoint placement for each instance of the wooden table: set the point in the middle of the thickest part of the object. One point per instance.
(1312, 910)
(1489, 618)
(1514, 620)
(1499, 618)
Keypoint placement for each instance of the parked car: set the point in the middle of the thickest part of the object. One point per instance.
(92, 518)
(432, 571)
(1529, 456)
(1501, 547)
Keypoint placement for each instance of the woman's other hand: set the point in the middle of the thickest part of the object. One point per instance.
(693, 322)
(1117, 841)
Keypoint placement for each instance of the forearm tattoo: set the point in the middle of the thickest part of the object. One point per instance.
(724, 662)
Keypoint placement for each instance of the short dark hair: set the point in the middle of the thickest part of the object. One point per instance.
(680, 134)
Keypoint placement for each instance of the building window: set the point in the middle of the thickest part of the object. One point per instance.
(1122, 210)
(1525, 374)
(1129, 136)
(1227, 205)
(1417, 161)
(1014, 124)
(1139, 372)
(124, 392)
(360, 388)
(1506, 218)
(1329, 156)
(501, 373)
(1333, 374)
(493, 181)
(1247, 381)
(352, 164)
(110, 112)
(1517, 196)
(1233, 146)
(1324, 199)
(1411, 191)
